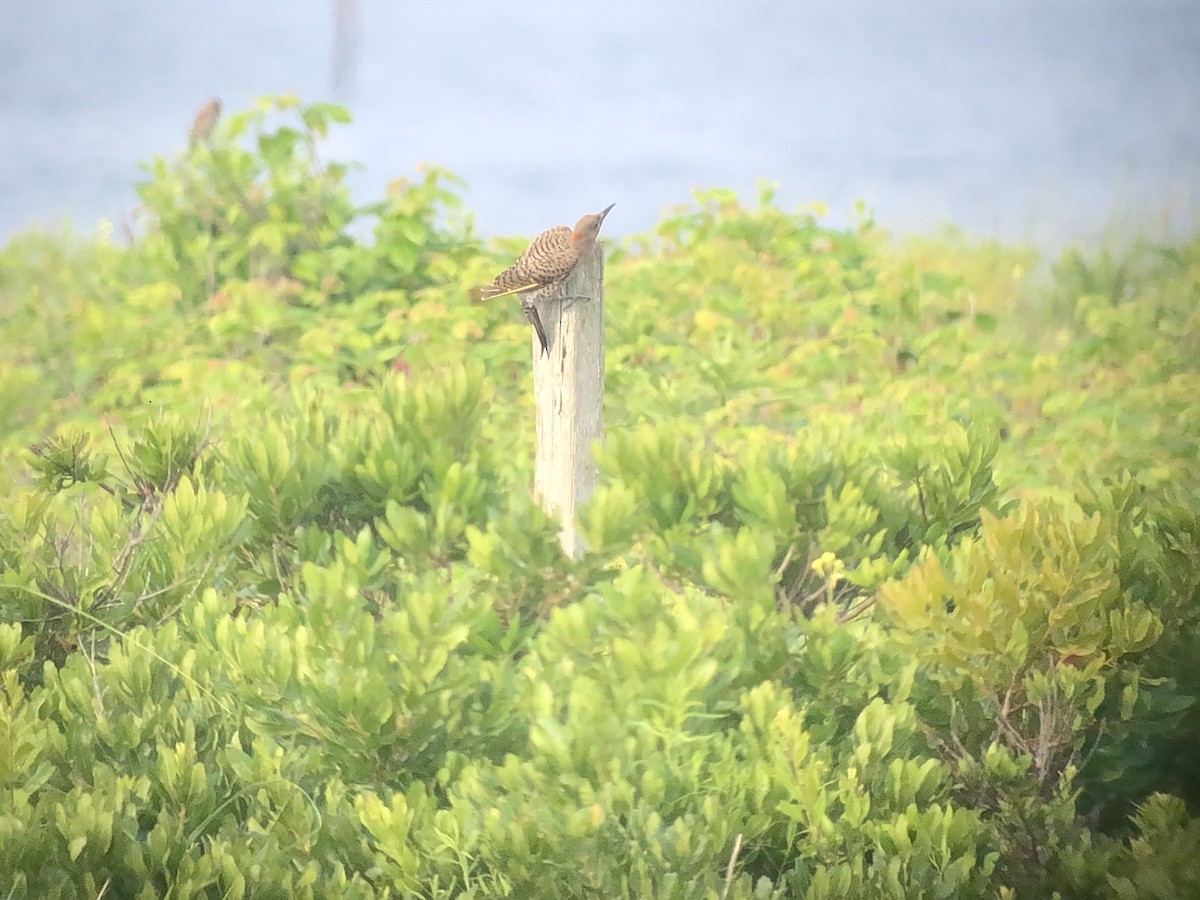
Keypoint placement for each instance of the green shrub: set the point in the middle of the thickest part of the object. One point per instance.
(891, 586)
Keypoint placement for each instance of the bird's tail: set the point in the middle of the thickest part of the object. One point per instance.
(535, 320)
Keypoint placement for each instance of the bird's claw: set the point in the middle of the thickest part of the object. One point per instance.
(569, 301)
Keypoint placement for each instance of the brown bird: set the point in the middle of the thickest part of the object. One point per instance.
(205, 121)
(546, 262)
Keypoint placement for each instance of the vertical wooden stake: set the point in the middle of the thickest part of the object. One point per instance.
(568, 390)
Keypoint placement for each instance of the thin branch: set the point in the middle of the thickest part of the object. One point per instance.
(91, 661)
(120, 452)
(921, 500)
(787, 558)
(123, 564)
(857, 610)
(729, 870)
(1087, 757)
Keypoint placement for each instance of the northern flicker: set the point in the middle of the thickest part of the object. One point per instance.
(546, 262)
(205, 121)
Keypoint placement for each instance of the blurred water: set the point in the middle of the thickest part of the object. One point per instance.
(1024, 118)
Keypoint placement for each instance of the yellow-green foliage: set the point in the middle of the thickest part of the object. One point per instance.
(892, 588)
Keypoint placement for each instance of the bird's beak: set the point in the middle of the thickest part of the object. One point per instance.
(604, 212)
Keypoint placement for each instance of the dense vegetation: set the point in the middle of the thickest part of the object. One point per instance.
(891, 591)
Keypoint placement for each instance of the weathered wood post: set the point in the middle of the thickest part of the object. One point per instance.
(568, 390)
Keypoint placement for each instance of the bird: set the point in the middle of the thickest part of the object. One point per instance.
(205, 121)
(546, 262)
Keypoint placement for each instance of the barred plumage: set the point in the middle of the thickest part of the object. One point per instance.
(549, 258)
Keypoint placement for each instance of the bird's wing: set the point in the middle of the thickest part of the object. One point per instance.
(547, 259)
(540, 263)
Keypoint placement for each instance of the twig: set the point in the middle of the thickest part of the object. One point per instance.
(91, 661)
(123, 563)
(787, 558)
(921, 499)
(737, 848)
(857, 610)
(120, 452)
(1087, 757)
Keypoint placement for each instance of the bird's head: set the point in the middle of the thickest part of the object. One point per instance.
(587, 229)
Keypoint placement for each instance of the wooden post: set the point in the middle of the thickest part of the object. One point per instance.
(568, 391)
